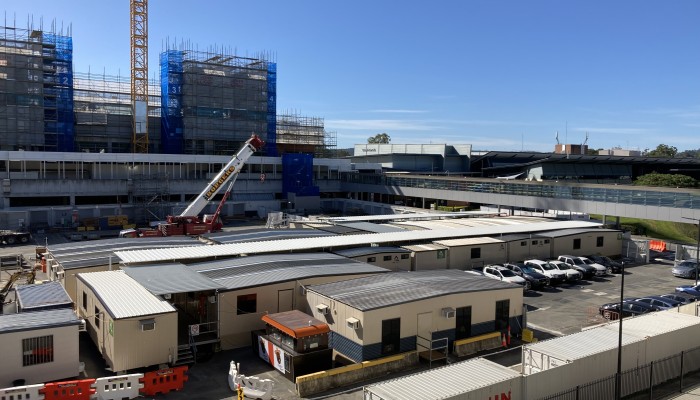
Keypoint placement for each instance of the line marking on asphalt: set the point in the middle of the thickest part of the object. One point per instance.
(600, 293)
(613, 297)
(586, 290)
(541, 309)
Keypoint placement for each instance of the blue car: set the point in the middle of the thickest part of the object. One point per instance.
(663, 303)
(689, 289)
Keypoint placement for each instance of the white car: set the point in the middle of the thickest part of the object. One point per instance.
(504, 274)
(543, 267)
(599, 268)
(571, 274)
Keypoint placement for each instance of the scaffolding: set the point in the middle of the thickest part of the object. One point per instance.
(36, 90)
(150, 195)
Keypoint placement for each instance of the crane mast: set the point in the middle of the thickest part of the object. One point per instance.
(139, 75)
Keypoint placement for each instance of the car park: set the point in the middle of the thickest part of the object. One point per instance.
(663, 303)
(504, 274)
(607, 262)
(543, 267)
(572, 275)
(689, 289)
(630, 308)
(683, 298)
(685, 269)
(578, 263)
(598, 267)
(535, 279)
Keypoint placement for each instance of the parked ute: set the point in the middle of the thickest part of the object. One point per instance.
(578, 264)
(607, 262)
(685, 269)
(572, 275)
(504, 274)
(533, 279)
(543, 267)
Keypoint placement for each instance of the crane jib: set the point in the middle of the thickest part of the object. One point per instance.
(216, 185)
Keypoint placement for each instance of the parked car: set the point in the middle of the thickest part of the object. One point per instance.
(683, 298)
(504, 274)
(598, 267)
(663, 303)
(572, 275)
(689, 289)
(577, 263)
(543, 267)
(607, 262)
(533, 278)
(685, 269)
(630, 308)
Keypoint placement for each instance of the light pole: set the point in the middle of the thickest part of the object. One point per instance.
(697, 249)
(618, 376)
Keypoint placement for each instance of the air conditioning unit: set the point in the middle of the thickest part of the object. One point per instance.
(353, 323)
(448, 312)
(323, 309)
(167, 296)
(60, 275)
(212, 299)
(82, 327)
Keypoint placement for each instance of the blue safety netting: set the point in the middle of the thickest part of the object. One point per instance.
(298, 174)
(171, 122)
(271, 142)
(58, 92)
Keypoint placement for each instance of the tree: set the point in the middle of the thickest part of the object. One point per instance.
(379, 138)
(669, 180)
(664, 151)
(689, 154)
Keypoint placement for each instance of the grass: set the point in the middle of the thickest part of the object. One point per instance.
(672, 231)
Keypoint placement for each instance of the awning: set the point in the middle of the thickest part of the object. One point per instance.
(296, 324)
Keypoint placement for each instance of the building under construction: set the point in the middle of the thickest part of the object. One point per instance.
(205, 102)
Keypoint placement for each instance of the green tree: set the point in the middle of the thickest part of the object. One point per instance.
(669, 180)
(689, 153)
(664, 151)
(379, 138)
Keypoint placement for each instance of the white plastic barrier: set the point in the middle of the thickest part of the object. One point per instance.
(118, 387)
(252, 386)
(22, 392)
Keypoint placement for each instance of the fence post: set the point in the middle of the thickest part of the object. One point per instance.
(680, 389)
(577, 386)
(651, 380)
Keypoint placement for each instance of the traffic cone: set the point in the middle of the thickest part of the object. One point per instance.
(508, 337)
(503, 340)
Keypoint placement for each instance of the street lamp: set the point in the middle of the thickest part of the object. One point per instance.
(697, 249)
(618, 377)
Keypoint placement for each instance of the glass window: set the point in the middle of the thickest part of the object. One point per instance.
(391, 336)
(387, 258)
(405, 256)
(476, 252)
(371, 259)
(97, 317)
(247, 304)
(577, 244)
(84, 301)
(441, 254)
(599, 241)
(37, 350)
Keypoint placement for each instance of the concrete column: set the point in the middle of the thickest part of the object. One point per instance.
(617, 222)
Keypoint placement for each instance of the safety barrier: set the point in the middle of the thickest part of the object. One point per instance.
(252, 386)
(118, 387)
(657, 245)
(73, 390)
(164, 380)
(22, 392)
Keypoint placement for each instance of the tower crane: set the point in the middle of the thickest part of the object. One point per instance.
(139, 75)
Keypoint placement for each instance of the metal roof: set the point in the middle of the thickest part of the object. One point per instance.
(43, 296)
(445, 382)
(254, 235)
(467, 241)
(122, 296)
(372, 227)
(330, 242)
(251, 271)
(605, 337)
(410, 216)
(44, 319)
(340, 230)
(569, 232)
(390, 289)
(366, 251)
(170, 278)
(417, 248)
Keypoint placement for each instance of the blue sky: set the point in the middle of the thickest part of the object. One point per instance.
(501, 75)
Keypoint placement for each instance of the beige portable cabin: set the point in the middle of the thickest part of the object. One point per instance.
(385, 314)
(525, 247)
(582, 242)
(470, 253)
(131, 327)
(257, 285)
(38, 346)
(427, 256)
(391, 258)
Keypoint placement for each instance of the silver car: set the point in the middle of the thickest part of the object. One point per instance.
(685, 269)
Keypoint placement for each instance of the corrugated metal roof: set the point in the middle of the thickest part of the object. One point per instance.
(385, 290)
(365, 251)
(251, 271)
(37, 320)
(170, 278)
(417, 248)
(467, 241)
(253, 235)
(391, 217)
(122, 296)
(569, 232)
(329, 242)
(372, 227)
(445, 382)
(47, 295)
(340, 230)
(605, 337)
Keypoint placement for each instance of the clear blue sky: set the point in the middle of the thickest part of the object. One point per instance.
(501, 75)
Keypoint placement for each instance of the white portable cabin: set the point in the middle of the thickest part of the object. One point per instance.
(427, 256)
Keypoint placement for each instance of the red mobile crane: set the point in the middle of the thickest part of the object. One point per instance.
(189, 223)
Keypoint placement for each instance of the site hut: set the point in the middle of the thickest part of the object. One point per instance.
(260, 234)
(428, 256)
(473, 253)
(65, 261)
(39, 346)
(254, 286)
(131, 327)
(581, 242)
(525, 247)
(386, 314)
(392, 258)
(45, 296)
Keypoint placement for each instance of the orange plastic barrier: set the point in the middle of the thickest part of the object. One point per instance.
(657, 245)
(73, 390)
(164, 380)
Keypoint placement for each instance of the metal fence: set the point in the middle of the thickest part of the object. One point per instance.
(656, 380)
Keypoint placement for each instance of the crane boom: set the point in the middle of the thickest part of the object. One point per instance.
(228, 173)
